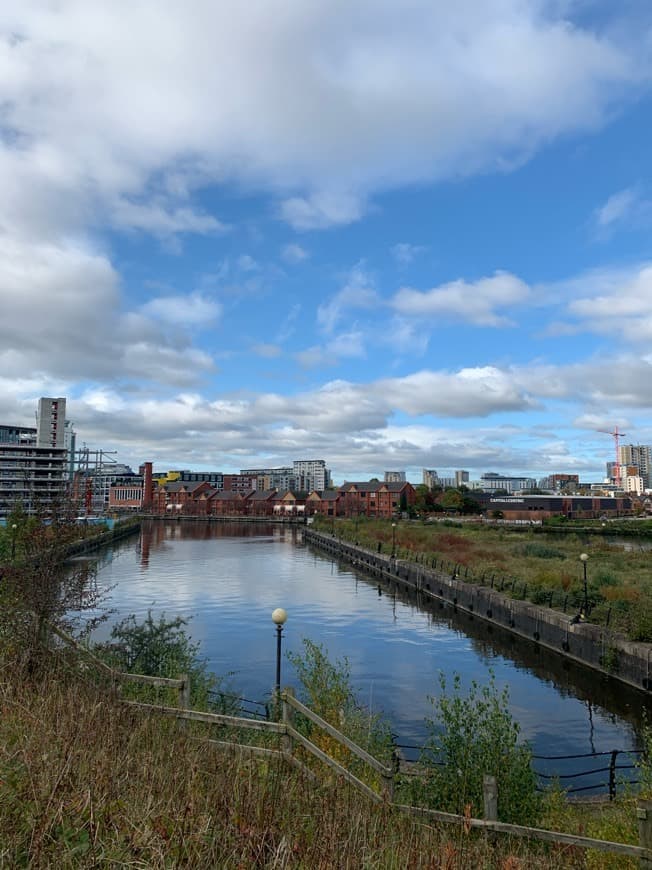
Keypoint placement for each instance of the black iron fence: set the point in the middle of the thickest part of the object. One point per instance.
(602, 773)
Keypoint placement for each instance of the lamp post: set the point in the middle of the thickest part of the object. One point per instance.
(14, 527)
(393, 540)
(584, 558)
(279, 618)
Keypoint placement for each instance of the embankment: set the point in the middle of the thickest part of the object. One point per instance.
(96, 541)
(592, 645)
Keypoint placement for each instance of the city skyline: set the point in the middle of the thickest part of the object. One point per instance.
(234, 235)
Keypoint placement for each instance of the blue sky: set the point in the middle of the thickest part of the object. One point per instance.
(392, 236)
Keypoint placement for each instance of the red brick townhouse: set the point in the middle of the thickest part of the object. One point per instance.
(326, 503)
(178, 498)
(375, 498)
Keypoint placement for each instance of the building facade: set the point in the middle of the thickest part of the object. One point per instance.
(639, 456)
(33, 477)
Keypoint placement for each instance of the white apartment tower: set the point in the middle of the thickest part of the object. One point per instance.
(311, 474)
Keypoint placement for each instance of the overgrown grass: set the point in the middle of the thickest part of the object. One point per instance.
(525, 564)
(87, 782)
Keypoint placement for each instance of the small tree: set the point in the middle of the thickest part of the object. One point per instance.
(472, 736)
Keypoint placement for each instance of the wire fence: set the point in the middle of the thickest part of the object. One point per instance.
(603, 773)
(245, 707)
(574, 774)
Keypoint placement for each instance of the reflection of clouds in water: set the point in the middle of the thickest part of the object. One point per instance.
(230, 585)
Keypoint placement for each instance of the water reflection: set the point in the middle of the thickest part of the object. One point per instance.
(229, 578)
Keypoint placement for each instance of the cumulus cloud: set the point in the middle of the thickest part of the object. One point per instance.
(478, 302)
(343, 100)
(613, 302)
(62, 318)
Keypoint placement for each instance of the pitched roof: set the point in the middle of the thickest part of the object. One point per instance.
(261, 494)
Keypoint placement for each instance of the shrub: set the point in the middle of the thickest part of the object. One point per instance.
(162, 648)
(472, 736)
(326, 688)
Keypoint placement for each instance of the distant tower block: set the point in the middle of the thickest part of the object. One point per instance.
(51, 423)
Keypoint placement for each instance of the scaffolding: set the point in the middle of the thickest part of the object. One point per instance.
(93, 474)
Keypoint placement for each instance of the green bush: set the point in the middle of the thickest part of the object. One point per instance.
(471, 736)
(162, 648)
(326, 688)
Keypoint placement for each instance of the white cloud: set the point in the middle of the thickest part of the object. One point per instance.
(477, 302)
(358, 292)
(613, 302)
(246, 263)
(191, 310)
(294, 253)
(62, 319)
(617, 208)
(321, 210)
(159, 220)
(343, 100)
(404, 253)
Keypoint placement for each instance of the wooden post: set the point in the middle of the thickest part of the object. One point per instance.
(644, 816)
(490, 796)
(388, 784)
(287, 718)
(184, 692)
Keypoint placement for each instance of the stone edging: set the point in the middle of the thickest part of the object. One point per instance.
(591, 645)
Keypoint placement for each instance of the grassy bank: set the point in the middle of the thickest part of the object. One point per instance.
(525, 564)
(87, 782)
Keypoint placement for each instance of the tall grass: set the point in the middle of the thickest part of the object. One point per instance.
(87, 782)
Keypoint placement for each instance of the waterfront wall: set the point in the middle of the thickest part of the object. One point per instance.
(591, 645)
(97, 541)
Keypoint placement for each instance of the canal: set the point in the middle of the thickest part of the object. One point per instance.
(227, 579)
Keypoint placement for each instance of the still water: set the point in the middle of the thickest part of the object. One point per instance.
(227, 578)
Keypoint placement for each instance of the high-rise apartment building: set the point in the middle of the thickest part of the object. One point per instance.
(36, 464)
(394, 477)
(430, 478)
(640, 456)
(311, 474)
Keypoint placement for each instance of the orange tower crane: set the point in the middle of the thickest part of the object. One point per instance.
(615, 435)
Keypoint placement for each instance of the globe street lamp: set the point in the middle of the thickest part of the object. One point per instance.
(584, 557)
(14, 527)
(279, 618)
(393, 540)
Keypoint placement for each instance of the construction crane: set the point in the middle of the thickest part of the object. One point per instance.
(616, 435)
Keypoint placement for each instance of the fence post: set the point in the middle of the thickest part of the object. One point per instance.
(612, 775)
(287, 718)
(388, 780)
(184, 692)
(644, 816)
(490, 796)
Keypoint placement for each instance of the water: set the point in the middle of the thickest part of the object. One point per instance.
(228, 578)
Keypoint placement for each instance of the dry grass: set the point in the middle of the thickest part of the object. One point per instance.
(88, 782)
(537, 563)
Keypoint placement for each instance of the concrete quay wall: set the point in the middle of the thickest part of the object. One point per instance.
(591, 645)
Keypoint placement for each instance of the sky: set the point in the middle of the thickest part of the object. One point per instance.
(389, 235)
